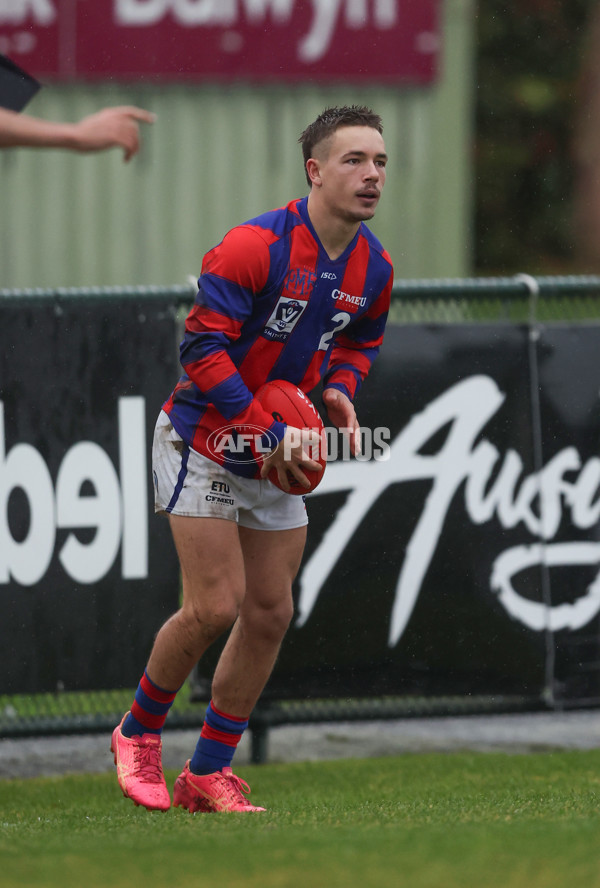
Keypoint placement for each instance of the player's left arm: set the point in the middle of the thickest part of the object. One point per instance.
(341, 412)
(352, 355)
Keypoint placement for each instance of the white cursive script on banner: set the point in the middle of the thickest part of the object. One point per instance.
(492, 487)
(327, 15)
(20, 12)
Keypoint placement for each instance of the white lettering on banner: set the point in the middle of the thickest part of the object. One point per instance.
(532, 613)
(87, 563)
(257, 10)
(195, 13)
(186, 12)
(134, 487)
(117, 510)
(465, 409)
(24, 468)
(326, 14)
(18, 12)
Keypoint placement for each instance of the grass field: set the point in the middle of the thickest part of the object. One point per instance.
(421, 821)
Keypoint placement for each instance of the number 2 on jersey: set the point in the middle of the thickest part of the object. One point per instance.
(341, 319)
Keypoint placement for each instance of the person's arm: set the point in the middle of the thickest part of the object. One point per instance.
(351, 358)
(109, 128)
(232, 274)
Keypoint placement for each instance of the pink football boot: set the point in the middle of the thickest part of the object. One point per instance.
(139, 769)
(221, 791)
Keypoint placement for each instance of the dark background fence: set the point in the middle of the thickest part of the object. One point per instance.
(455, 575)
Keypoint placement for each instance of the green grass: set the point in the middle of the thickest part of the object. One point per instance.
(421, 821)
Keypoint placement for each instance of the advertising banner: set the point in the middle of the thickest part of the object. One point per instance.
(271, 40)
(87, 572)
(460, 555)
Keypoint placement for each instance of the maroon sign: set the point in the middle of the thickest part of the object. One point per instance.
(262, 40)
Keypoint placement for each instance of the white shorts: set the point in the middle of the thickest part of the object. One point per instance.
(187, 483)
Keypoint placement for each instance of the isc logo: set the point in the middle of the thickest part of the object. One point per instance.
(116, 511)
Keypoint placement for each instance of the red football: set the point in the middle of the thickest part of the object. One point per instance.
(287, 403)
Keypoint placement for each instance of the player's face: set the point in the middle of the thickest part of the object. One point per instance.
(352, 172)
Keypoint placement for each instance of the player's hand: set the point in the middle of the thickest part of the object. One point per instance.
(112, 128)
(340, 410)
(292, 455)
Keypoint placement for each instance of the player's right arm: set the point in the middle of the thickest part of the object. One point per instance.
(232, 274)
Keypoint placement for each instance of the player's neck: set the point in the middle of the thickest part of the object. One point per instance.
(334, 232)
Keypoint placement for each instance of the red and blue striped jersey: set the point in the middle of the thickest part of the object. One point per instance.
(271, 304)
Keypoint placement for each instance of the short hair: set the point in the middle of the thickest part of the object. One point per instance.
(330, 120)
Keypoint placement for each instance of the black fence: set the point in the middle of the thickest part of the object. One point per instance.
(452, 569)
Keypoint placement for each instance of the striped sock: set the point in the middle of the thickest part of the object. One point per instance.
(218, 740)
(149, 709)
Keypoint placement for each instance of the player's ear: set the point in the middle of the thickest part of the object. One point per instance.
(314, 171)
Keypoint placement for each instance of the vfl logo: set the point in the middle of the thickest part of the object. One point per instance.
(284, 318)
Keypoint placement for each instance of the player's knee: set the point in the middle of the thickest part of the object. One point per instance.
(271, 621)
(209, 621)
